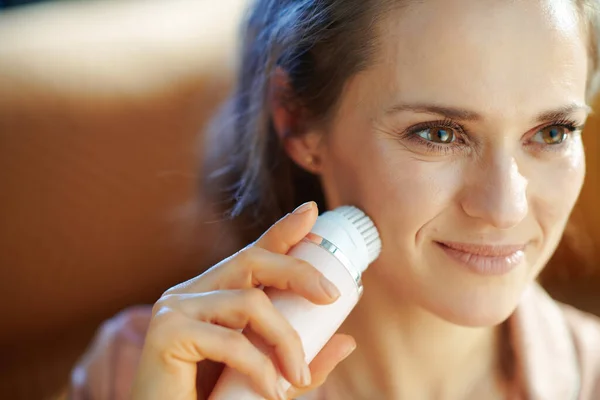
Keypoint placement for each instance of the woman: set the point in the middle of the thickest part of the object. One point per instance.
(456, 125)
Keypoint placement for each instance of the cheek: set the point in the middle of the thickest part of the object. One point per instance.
(401, 193)
(555, 186)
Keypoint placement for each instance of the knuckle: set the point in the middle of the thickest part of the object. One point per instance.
(303, 274)
(256, 299)
(246, 259)
(157, 307)
(163, 325)
(305, 267)
(165, 301)
(169, 299)
(291, 340)
(235, 342)
(250, 254)
(165, 316)
(237, 347)
(243, 255)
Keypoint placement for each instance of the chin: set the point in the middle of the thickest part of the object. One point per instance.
(483, 317)
(455, 294)
(478, 307)
(468, 297)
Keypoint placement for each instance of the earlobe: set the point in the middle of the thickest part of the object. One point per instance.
(304, 150)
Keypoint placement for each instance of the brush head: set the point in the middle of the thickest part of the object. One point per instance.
(353, 232)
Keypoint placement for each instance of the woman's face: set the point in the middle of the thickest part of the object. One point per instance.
(462, 142)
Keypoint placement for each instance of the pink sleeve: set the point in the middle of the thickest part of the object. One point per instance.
(107, 369)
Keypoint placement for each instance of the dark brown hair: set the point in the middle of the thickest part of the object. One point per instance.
(320, 44)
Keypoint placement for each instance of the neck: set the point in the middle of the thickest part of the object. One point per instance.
(405, 352)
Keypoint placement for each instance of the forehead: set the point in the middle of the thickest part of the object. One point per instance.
(494, 54)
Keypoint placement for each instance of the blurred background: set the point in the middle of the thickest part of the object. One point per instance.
(102, 107)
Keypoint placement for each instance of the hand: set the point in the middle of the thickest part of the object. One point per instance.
(198, 323)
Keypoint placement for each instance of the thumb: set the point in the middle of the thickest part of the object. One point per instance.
(335, 351)
(289, 230)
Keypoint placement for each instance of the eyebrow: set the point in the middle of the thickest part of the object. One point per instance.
(462, 114)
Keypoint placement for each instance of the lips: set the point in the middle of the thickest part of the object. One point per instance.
(485, 259)
(484, 250)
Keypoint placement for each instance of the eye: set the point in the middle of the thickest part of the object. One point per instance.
(552, 135)
(444, 135)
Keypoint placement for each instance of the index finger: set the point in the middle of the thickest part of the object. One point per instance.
(289, 230)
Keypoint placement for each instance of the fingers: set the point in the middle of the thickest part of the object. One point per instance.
(238, 309)
(335, 351)
(289, 230)
(264, 263)
(181, 341)
(282, 272)
(203, 318)
(255, 266)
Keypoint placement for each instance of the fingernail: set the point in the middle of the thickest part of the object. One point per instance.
(305, 376)
(303, 208)
(329, 288)
(349, 351)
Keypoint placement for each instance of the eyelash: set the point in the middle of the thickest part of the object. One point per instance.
(571, 127)
(411, 135)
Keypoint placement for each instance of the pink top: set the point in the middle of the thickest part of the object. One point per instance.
(557, 349)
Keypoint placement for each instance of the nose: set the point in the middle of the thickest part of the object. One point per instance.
(497, 194)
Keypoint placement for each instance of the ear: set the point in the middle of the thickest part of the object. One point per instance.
(302, 143)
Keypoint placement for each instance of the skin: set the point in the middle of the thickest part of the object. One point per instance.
(195, 325)
(497, 189)
(426, 327)
(506, 63)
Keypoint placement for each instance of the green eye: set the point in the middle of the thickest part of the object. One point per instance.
(438, 135)
(552, 135)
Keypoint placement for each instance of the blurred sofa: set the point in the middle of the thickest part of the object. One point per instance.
(102, 105)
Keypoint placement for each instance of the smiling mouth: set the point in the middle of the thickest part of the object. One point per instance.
(485, 259)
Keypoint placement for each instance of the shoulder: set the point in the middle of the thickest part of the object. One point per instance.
(108, 367)
(558, 347)
(585, 327)
(585, 331)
